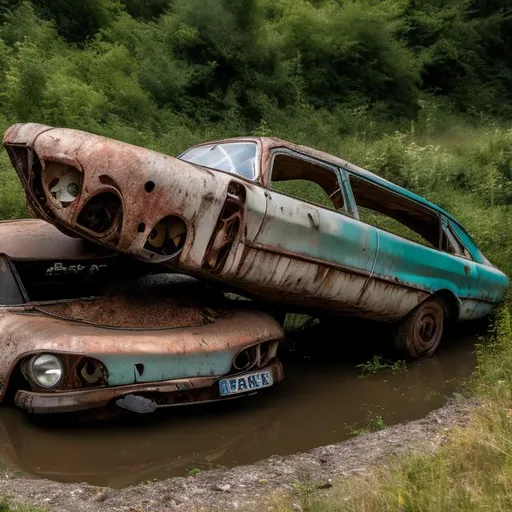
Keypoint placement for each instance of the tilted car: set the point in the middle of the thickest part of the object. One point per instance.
(81, 328)
(277, 221)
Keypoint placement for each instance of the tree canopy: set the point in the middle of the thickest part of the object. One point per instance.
(142, 63)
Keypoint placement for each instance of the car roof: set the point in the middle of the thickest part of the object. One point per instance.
(275, 143)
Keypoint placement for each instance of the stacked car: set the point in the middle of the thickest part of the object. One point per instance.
(280, 224)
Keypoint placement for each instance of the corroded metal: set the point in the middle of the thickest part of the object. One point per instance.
(166, 336)
(221, 226)
(164, 394)
(34, 239)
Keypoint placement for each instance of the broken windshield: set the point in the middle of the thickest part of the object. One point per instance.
(234, 157)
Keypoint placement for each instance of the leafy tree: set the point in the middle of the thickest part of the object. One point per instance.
(148, 9)
(79, 20)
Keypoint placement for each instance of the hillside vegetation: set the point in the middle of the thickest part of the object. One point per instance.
(419, 91)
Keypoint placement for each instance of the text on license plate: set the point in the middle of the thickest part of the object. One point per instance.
(245, 383)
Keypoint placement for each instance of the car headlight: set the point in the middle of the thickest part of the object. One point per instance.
(46, 370)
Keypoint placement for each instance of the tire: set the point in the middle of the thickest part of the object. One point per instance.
(419, 333)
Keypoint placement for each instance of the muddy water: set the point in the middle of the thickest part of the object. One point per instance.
(322, 399)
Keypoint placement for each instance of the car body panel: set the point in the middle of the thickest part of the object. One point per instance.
(201, 351)
(32, 239)
(262, 242)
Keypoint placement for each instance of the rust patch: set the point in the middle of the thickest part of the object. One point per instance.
(130, 312)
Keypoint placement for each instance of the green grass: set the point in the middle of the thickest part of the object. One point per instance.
(374, 422)
(378, 364)
(7, 505)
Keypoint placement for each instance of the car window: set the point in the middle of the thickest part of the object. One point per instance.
(306, 180)
(10, 291)
(49, 281)
(397, 214)
(468, 243)
(453, 245)
(235, 157)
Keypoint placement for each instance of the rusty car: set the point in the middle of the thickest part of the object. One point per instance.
(276, 221)
(83, 328)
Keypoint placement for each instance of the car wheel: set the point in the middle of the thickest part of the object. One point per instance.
(419, 333)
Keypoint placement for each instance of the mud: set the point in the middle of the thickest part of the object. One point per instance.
(245, 487)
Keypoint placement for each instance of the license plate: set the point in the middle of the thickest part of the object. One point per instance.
(246, 383)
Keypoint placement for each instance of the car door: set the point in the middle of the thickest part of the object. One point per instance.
(324, 252)
(413, 259)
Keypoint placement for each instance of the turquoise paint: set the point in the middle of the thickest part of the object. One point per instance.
(422, 267)
(160, 367)
(338, 238)
(335, 237)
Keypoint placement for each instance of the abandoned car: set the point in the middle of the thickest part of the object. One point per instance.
(81, 328)
(277, 221)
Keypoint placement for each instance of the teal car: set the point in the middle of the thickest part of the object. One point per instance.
(287, 224)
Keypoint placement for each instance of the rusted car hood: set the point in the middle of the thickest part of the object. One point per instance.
(25, 332)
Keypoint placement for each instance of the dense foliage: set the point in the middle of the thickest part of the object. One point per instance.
(419, 91)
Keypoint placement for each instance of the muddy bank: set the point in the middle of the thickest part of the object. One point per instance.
(244, 487)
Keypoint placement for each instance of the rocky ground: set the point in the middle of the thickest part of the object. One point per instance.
(245, 488)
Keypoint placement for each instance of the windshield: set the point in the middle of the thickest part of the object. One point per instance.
(50, 281)
(234, 157)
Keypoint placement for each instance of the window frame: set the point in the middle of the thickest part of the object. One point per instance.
(455, 240)
(404, 198)
(476, 254)
(339, 173)
(4, 258)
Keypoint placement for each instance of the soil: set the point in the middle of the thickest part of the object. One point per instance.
(152, 302)
(247, 488)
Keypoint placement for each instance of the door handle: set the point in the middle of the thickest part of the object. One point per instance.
(314, 218)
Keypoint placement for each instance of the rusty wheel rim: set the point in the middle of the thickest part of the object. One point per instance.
(428, 330)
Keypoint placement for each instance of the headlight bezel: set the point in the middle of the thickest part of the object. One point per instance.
(70, 377)
(31, 373)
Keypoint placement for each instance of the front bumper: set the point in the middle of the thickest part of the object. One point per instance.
(160, 394)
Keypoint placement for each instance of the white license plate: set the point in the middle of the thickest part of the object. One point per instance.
(246, 383)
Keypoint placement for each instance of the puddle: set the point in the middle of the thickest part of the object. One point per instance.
(319, 398)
